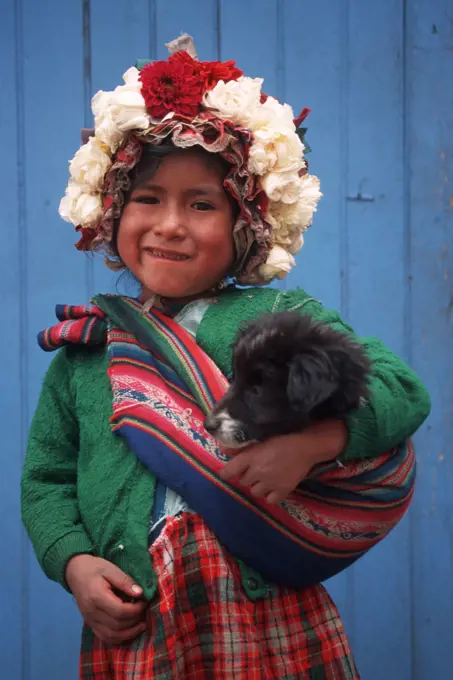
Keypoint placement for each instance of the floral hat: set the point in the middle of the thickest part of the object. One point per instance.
(212, 105)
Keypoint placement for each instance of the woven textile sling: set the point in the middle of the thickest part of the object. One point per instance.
(164, 384)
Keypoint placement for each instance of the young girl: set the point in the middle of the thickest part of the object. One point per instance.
(186, 563)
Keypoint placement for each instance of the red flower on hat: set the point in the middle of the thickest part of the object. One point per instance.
(174, 85)
(178, 84)
(213, 71)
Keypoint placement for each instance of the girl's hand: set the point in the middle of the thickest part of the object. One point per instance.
(99, 588)
(274, 468)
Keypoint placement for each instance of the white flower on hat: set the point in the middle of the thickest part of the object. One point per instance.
(119, 111)
(296, 243)
(281, 186)
(278, 264)
(272, 114)
(235, 100)
(90, 165)
(310, 194)
(106, 129)
(80, 208)
(275, 150)
(289, 239)
(276, 146)
(285, 222)
(286, 217)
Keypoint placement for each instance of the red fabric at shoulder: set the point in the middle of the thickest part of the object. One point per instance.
(80, 325)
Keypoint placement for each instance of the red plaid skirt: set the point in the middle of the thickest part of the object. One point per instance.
(201, 625)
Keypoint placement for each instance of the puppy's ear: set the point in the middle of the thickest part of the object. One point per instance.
(311, 381)
(354, 370)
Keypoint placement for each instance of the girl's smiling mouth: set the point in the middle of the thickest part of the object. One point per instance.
(164, 254)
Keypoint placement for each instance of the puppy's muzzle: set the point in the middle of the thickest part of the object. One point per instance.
(212, 424)
(225, 429)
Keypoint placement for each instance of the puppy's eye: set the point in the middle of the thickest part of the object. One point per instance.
(255, 378)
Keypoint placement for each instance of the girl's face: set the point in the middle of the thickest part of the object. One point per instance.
(176, 231)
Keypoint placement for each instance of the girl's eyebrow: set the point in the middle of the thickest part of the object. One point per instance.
(205, 191)
(202, 190)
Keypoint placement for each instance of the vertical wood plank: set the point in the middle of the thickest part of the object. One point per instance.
(429, 74)
(53, 106)
(53, 102)
(12, 560)
(374, 280)
(248, 34)
(375, 268)
(199, 18)
(119, 35)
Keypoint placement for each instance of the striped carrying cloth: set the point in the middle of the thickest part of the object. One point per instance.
(163, 385)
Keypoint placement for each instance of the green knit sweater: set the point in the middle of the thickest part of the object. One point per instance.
(84, 491)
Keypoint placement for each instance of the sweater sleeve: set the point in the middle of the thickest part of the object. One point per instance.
(50, 509)
(399, 402)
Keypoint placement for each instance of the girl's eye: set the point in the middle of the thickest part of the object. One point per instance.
(148, 200)
(203, 206)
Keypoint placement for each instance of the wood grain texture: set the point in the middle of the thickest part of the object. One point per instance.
(429, 66)
(13, 559)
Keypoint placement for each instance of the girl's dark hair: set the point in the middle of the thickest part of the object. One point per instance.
(148, 165)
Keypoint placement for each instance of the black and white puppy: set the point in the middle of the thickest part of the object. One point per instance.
(288, 372)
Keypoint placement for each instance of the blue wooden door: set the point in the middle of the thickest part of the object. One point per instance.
(378, 77)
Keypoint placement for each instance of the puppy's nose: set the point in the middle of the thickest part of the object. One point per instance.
(211, 423)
